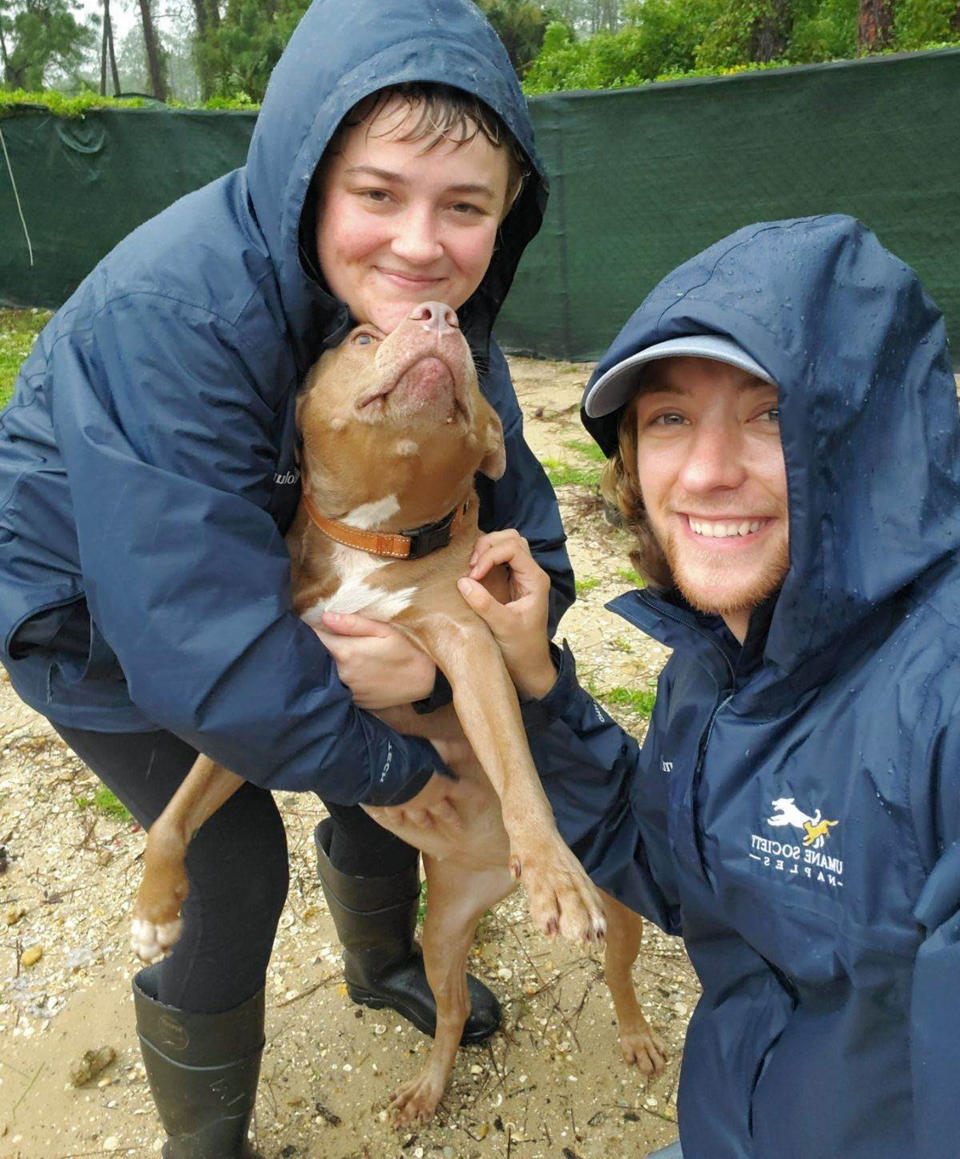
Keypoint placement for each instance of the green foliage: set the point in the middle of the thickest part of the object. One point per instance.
(103, 801)
(824, 30)
(587, 584)
(62, 105)
(237, 57)
(920, 23)
(66, 106)
(520, 24)
(628, 575)
(563, 475)
(639, 701)
(670, 39)
(589, 450)
(18, 331)
(661, 36)
(37, 36)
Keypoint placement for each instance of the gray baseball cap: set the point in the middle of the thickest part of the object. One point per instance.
(614, 389)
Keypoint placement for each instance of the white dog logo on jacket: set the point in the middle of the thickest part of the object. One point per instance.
(816, 829)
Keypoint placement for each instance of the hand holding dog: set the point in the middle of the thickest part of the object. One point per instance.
(519, 624)
(381, 666)
(433, 808)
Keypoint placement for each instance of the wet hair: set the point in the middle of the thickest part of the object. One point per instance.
(620, 487)
(437, 113)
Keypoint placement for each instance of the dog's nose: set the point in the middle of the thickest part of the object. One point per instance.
(436, 316)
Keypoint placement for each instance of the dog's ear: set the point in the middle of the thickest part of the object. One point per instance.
(494, 461)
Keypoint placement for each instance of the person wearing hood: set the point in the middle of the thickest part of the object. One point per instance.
(148, 473)
(781, 423)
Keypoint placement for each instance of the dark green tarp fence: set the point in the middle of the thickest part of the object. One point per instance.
(641, 179)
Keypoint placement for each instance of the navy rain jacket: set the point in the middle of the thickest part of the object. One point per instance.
(794, 812)
(147, 458)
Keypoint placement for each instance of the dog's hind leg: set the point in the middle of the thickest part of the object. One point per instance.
(456, 899)
(638, 1042)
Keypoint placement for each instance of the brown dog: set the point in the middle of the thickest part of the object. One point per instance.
(394, 429)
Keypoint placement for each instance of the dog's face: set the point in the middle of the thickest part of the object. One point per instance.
(398, 415)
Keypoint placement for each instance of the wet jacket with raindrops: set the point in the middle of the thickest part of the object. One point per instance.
(794, 811)
(148, 456)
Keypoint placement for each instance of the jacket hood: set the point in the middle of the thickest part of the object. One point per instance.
(868, 409)
(342, 51)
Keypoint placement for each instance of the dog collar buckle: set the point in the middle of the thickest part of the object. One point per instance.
(433, 536)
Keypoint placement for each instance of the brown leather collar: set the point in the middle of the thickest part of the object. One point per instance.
(413, 544)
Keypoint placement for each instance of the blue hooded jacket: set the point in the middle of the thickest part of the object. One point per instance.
(794, 812)
(147, 458)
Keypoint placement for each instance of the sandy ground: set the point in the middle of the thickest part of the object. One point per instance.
(550, 1084)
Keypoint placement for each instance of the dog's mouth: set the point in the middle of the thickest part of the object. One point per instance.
(426, 385)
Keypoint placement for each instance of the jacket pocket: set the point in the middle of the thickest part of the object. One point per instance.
(66, 634)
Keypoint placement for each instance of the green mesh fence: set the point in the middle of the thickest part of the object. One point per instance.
(641, 180)
(644, 178)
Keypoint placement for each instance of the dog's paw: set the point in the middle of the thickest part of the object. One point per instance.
(561, 897)
(418, 1100)
(644, 1049)
(149, 940)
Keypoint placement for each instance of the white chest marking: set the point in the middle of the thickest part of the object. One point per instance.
(358, 590)
(369, 515)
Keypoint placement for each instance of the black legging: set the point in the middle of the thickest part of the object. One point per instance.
(236, 865)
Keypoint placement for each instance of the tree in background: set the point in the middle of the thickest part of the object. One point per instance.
(661, 38)
(226, 49)
(156, 65)
(38, 36)
(920, 22)
(237, 56)
(178, 41)
(875, 24)
(207, 16)
(521, 25)
(108, 53)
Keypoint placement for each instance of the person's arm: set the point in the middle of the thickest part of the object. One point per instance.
(592, 767)
(523, 499)
(935, 1004)
(170, 452)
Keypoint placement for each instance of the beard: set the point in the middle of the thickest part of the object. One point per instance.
(709, 585)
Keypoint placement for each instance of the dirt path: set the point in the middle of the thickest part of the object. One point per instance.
(550, 1084)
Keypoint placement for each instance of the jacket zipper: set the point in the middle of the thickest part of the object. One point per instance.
(695, 780)
(726, 695)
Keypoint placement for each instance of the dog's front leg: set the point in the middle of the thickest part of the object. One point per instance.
(560, 894)
(156, 921)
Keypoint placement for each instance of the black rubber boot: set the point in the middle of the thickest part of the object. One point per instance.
(202, 1070)
(382, 964)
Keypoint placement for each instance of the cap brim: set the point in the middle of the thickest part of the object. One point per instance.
(614, 389)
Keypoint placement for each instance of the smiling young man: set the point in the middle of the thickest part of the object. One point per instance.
(781, 420)
(705, 456)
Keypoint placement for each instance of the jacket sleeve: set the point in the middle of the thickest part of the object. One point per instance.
(608, 808)
(935, 1008)
(170, 452)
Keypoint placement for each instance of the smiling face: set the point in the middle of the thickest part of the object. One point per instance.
(711, 473)
(407, 221)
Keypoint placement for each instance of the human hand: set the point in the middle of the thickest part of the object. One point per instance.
(433, 809)
(379, 664)
(519, 625)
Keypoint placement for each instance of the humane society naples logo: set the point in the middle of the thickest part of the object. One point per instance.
(804, 854)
